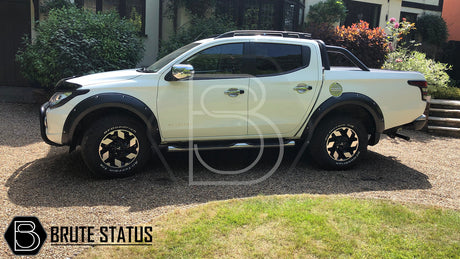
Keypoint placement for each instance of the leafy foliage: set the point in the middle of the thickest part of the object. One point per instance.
(327, 12)
(323, 32)
(405, 60)
(199, 28)
(401, 58)
(193, 7)
(369, 45)
(136, 19)
(75, 41)
(449, 93)
(432, 28)
(197, 7)
(48, 5)
(398, 31)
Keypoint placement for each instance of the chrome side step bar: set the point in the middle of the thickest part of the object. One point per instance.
(232, 146)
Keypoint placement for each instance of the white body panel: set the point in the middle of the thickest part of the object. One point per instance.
(389, 89)
(275, 107)
(201, 110)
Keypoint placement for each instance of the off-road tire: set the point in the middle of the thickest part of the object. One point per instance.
(338, 143)
(115, 146)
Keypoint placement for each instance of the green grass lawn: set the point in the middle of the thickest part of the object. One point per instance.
(302, 226)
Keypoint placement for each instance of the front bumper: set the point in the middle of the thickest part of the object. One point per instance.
(417, 124)
(43, 125)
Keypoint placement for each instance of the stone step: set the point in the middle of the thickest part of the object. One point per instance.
(445, 113)
(445, 122)
(444, 128)
(446, 131)
(445, 104)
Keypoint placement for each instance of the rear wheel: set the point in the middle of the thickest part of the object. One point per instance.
(338, 143)
(115, 146)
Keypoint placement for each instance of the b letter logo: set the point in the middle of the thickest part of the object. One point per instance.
(25, 235)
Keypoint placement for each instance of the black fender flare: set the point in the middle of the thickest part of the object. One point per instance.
(102, 101)
(334, 103)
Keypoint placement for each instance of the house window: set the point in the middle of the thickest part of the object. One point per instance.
(263, 14)
(363, 11)
(410, 17)
(125, 8)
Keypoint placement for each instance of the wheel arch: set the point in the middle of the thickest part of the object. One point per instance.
(357, 105)
(92, 107)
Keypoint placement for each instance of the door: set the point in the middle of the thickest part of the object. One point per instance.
(15, 23)
(285, 82)
(213, 104)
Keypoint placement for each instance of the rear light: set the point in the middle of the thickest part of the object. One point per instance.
(423, 85)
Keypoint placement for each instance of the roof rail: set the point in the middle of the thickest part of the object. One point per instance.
(285, 34)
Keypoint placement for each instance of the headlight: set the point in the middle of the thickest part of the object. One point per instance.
(58, 97)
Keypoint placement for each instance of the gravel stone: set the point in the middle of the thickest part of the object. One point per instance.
(48, 182)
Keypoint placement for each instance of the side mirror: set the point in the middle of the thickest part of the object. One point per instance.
(182, 71)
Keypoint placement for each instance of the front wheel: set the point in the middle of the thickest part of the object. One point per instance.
(338, 143)
(115, 146)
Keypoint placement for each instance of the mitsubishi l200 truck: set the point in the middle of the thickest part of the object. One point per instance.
(237, 90)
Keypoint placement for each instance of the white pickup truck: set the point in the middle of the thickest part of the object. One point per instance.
(240, 89)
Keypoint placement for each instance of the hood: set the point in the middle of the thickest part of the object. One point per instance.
(106, 77)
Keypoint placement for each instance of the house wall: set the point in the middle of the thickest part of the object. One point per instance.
(32, 19)
(451, 14)
(152, 29)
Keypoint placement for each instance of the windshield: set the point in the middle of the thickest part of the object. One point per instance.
(170, 57)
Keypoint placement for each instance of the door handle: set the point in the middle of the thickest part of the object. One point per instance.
(234, 92)
(302, 88)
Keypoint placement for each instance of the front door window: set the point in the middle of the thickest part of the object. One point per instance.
(219, 62)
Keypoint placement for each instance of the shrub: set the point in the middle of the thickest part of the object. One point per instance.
(432, 28)
(435, 72)
(323, 32)
(48, 5)
(75, 41)
(199, 28)
(327, 12)
(449, 93)
(397, 32)
(369, 45)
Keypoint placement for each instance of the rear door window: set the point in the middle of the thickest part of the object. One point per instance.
(273, 58)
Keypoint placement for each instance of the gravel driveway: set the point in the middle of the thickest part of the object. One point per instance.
(48, 182)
